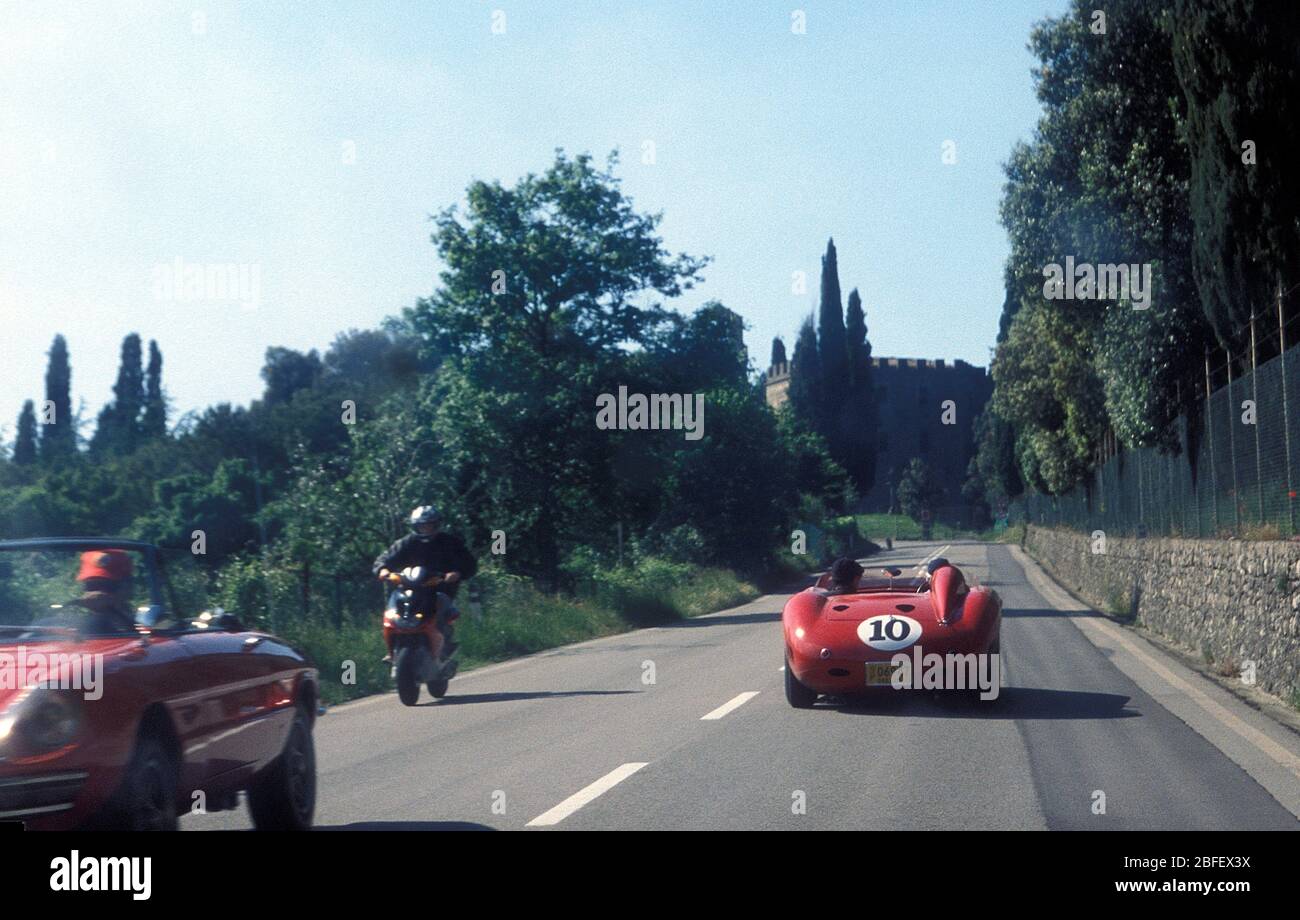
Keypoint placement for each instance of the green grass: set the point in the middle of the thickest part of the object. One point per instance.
(901, 527)
(518, 619)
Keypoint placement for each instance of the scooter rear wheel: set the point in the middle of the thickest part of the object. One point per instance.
(438, 688)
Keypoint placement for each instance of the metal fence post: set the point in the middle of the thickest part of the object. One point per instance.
(1254, 397)
(1286, 414)
(1232, 453)
(1209, 435)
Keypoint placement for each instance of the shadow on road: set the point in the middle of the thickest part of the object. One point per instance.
(506, 697)
(735, 619)
(1013, 703)
(406, 826)
(1029, 612)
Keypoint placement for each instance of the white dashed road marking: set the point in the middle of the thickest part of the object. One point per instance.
(585, 796)
(734, 703)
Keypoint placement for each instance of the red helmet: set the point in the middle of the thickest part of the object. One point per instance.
(113, 564)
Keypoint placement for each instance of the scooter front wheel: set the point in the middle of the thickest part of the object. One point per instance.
(408, 684)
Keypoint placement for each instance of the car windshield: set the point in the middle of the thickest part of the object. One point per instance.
(51, 592)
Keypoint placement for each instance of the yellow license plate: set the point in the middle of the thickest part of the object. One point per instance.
(879, 673)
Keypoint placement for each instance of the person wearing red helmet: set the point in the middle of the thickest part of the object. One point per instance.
(107, 579)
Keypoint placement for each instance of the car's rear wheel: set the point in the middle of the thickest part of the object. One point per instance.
(796, 694)
(283, 796)
(408, 684)
(146, 800)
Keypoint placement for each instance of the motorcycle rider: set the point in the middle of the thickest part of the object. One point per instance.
(440, 552)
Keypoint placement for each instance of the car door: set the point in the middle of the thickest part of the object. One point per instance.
(226, 709)
(249, 704)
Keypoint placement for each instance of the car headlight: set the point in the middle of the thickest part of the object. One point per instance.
(43, 721)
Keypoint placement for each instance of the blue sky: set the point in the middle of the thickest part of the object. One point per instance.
(312, 142)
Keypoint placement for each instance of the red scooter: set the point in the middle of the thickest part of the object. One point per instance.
(415, 643)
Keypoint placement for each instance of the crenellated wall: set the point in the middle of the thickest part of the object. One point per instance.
(1228, 601)
(911, 396)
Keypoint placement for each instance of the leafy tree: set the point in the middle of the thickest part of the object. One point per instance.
(918, 490)
(25, 442)
(992, 476)
(371, 358)
(712, 485)
(541, 295)
(701, 352)
(59, 436)
(286, 371)
(1112, 195)
(1238, 66)
(778, 352)
(222, 507)
(816, 473)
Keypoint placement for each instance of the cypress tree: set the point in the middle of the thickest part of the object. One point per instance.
(154, 423)
(25, 442)
(778, 352)
(806, 378)
(119, 422)
(831, 339)
(862, 414)
(59, 436)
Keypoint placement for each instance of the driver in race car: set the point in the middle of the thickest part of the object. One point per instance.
(443, 553)
(845, 573)
(107, 579)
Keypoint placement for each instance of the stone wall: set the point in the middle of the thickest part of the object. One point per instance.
(1227, 601)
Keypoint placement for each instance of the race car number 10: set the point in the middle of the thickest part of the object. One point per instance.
(890, 632)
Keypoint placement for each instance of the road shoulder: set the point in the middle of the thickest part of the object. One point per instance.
(1266, 749)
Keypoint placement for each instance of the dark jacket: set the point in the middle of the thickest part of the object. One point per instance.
(444, 552)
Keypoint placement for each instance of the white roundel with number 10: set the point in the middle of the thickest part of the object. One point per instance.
(889, 632)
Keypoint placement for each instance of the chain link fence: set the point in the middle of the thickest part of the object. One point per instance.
(1236, 475)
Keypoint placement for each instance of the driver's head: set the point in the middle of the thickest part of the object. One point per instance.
(936, 564)
(110, 571)
(426, 521)
(846, 572)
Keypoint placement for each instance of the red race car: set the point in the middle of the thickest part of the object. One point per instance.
(117, 712)
(850, 634)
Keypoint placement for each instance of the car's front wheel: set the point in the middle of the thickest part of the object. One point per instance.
(796, 694)
(146, 800)
(283, 796)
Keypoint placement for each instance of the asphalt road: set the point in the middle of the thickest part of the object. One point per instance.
(686, 727)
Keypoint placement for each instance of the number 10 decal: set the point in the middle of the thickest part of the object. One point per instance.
(889, 632)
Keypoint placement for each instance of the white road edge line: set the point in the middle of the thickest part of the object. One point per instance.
(1092, 624)
(735, 702)
(585, 796)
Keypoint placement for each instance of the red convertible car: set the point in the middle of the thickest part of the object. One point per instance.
(870, 634)
(116, 712)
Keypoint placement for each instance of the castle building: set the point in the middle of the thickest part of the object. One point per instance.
(915, 420)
